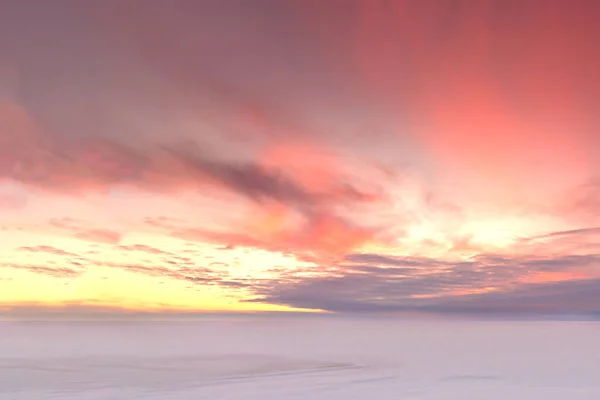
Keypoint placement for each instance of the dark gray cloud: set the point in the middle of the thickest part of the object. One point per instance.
(266, 185)
(84, 165)
(566, 297)
(440, 286)
(249, 179)
(561, 262)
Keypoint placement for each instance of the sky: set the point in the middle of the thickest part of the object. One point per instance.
(325, 156)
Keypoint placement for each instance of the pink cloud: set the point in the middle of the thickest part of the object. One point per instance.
(100, 236)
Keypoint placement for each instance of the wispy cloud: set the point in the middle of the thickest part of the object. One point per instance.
(46, 249)
(53, 271)
(493, 282)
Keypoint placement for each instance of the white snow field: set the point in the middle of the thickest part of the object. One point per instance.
(300, 358)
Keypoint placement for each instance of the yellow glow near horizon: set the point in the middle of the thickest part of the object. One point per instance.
(105, 278)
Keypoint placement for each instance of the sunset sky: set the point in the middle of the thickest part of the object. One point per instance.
(342, 155)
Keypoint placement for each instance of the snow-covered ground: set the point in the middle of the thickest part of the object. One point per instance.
(300, 358)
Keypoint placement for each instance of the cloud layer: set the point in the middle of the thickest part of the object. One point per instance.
(361, 156)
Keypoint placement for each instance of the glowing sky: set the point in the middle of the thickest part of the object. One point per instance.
(334, 155)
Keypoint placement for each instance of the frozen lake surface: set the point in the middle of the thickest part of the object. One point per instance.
(300, 358)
